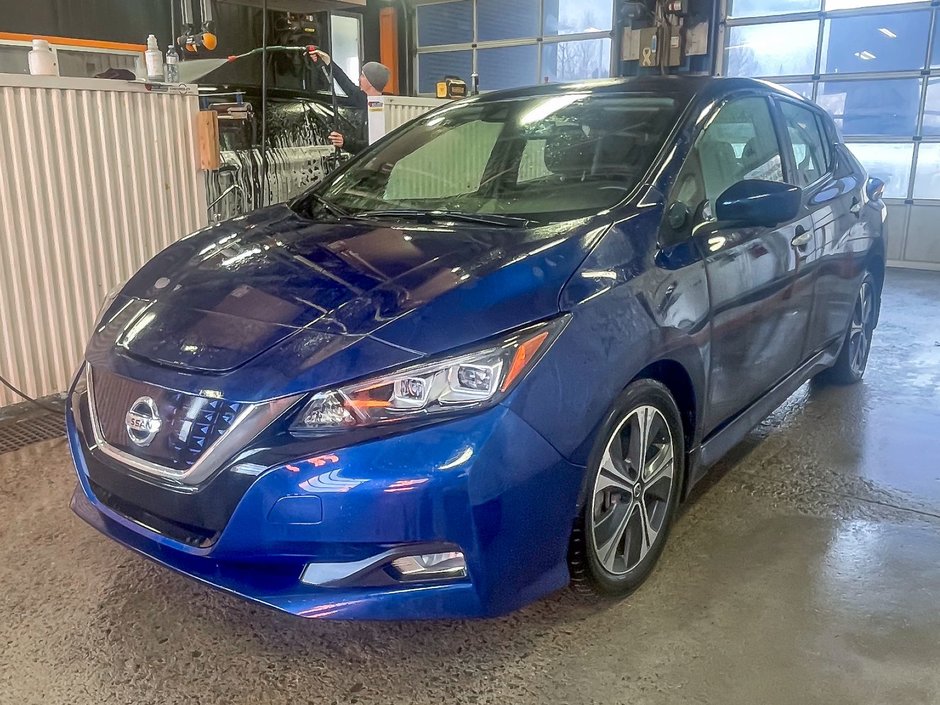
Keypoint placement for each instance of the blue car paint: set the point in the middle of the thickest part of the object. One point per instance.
(367, 325)
(633, 301)
(444, 483)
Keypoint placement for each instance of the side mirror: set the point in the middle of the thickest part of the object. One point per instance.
(755, 202)
(875, 188)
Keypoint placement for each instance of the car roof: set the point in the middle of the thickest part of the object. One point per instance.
(684, 89)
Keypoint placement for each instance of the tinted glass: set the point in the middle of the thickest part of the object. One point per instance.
(872, 107)
(435, 66)
(547, 158)
(757, 8)
(498, 19)
(888, 42)
(575, 61)
(927, 178)
(573, 16)
(740, 143)
(445, 23)
(889, 162)
(777, 49)
(507, 67)
(809, 153)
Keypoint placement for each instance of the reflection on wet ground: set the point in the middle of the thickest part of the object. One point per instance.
(806, 570)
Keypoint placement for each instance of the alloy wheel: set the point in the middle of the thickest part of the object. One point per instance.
(632, 490)
(860, 332)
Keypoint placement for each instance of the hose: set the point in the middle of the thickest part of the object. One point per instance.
(18, 392)
(264, 103)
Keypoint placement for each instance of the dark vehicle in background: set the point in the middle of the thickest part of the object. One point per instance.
(485, 358)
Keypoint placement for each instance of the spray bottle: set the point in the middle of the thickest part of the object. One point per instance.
(172, 65)
(154, 58)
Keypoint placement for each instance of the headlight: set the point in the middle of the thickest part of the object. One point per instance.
(456, 383)
(106, 304)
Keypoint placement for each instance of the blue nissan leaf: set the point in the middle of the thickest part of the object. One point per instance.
(486, 358)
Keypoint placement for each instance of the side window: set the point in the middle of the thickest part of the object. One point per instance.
(740, 143)
(806, 141)
(827, 139)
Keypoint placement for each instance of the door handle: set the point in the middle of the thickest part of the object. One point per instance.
(856, 206)
(802, 237)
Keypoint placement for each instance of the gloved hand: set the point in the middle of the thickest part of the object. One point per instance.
(318, 54)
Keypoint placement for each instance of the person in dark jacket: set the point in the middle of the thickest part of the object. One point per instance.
(372, 81)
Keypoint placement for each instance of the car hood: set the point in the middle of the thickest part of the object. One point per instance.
(261, 304)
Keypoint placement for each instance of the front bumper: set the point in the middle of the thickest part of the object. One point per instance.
(487, 484)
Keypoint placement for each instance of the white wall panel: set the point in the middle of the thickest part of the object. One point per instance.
(95, 178)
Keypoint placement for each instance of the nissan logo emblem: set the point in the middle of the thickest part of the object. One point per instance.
(143, 422)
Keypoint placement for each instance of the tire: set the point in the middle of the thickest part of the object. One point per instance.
(849, 367)
(628, 506)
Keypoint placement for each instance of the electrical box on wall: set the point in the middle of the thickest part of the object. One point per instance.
(674, 53)
(649, 47)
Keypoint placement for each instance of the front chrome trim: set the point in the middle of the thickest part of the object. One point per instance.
(246, 426)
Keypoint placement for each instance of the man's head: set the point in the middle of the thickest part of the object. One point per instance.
(374, 78)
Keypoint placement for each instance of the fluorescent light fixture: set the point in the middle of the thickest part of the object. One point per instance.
(865, 55)
(887, 32)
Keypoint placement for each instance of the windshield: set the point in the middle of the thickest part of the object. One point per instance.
(543, 158)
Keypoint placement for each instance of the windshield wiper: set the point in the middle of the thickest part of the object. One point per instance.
(336, 210)
(502, 221)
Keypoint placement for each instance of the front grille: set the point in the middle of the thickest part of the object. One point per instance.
(189, 424)
(185, 533)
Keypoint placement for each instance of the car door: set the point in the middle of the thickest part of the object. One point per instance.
(758, 323)
(825, 281)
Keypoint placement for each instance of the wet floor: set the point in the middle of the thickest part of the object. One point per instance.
(807, 570)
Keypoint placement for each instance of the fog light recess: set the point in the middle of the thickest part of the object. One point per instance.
(431, 566)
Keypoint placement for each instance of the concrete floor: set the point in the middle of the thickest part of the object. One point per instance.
(806, 571)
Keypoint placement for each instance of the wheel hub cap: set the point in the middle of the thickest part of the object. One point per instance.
(632, 490)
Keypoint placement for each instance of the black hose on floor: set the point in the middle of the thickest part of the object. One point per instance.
(20, 393)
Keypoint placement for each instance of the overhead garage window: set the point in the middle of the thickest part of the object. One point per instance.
(927, 178)
(869, 43)
(498, 19)
(502, 67)
(872, 107)
(435, 66)
(935, 55)
(931, 125)
(776, 49)
(572, 61)
(804, 89)
(866, 62)
(445, 23)
(889, 162)
(856, 4)
(758, 8)
(577, 16)
(513, 44)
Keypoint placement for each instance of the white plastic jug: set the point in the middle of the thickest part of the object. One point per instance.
(41, 59)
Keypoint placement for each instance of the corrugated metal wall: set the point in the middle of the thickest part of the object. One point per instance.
(94, 180)
(402, 109)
